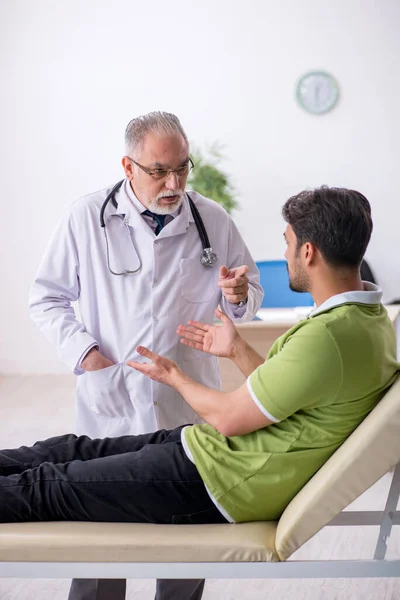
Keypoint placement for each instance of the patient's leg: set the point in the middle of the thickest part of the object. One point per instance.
(66, 448)
(156, 483)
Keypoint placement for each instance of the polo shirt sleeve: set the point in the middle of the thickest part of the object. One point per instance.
(306, 373)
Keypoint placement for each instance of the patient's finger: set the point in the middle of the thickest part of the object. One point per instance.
(191, 332)
(199, 325)
(192, 344)
(147, 353)
(194, 338)
(142, 367)
(222, 316)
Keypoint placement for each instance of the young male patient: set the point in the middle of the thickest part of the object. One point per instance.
(262, 442)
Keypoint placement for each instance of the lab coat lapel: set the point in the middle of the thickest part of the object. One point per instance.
(130, 212)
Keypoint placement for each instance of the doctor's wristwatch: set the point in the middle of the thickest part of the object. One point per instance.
(241, 303)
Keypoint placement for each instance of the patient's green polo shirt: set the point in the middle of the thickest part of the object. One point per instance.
(319, 381)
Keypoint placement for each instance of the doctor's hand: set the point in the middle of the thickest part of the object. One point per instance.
(94, 361)
(234, 283)
(160, 369)
(219, 340)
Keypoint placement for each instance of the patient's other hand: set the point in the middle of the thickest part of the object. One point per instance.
(219, 340)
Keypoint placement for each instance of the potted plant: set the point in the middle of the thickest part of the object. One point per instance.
(209, 180)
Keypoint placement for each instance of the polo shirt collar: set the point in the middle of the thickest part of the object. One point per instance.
(372, 294)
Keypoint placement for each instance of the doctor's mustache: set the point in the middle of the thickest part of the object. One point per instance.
(169, 194)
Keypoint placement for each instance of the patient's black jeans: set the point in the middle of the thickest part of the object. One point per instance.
(138, 479)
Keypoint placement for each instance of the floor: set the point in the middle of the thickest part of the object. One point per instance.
(36, 407)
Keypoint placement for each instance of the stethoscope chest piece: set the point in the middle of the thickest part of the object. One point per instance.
(208, 258)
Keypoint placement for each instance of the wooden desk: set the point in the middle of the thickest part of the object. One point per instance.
(262, 334)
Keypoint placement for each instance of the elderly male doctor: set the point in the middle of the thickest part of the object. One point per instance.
(135, 267)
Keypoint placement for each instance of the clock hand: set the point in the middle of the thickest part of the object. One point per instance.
(317, 89)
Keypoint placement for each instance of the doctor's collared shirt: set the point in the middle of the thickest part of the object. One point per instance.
(141, 208)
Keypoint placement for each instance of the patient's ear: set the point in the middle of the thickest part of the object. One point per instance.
(309, 252)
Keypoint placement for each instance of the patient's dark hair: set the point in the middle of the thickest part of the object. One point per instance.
(337, 221)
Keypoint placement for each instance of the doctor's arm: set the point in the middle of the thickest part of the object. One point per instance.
(55, 287)
(242, 271)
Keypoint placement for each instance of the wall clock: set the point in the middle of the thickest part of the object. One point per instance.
(317, 92)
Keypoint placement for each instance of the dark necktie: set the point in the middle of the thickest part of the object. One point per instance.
(158, 218)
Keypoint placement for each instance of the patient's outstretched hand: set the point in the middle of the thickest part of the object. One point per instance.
(160, 369)
(218, 340)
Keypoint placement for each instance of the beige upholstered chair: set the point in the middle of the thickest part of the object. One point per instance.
(218, 551)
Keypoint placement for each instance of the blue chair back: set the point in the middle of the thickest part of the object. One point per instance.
(274, 279)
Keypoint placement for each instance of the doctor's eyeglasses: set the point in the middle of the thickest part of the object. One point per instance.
(159, 174)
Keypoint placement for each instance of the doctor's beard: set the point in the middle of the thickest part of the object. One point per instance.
(167, 209)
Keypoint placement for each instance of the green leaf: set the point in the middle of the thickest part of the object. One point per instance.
(209, 180)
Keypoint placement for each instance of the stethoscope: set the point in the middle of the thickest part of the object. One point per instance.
(208, 259)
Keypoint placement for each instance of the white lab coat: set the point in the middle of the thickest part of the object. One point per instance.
(118, 312)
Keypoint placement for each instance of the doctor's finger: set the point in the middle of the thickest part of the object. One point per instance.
(242, 281)
(240, 271)
(244, 278)
(236, 290)
(233, 282)
(225, 273)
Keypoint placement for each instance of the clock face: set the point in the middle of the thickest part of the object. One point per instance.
(317, 92)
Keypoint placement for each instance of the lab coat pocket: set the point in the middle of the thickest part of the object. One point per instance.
(198, 284)
(107, 392)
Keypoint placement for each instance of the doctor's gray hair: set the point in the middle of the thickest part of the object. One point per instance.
(161, 123)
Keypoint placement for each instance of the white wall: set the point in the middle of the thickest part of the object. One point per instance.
(73, 73)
